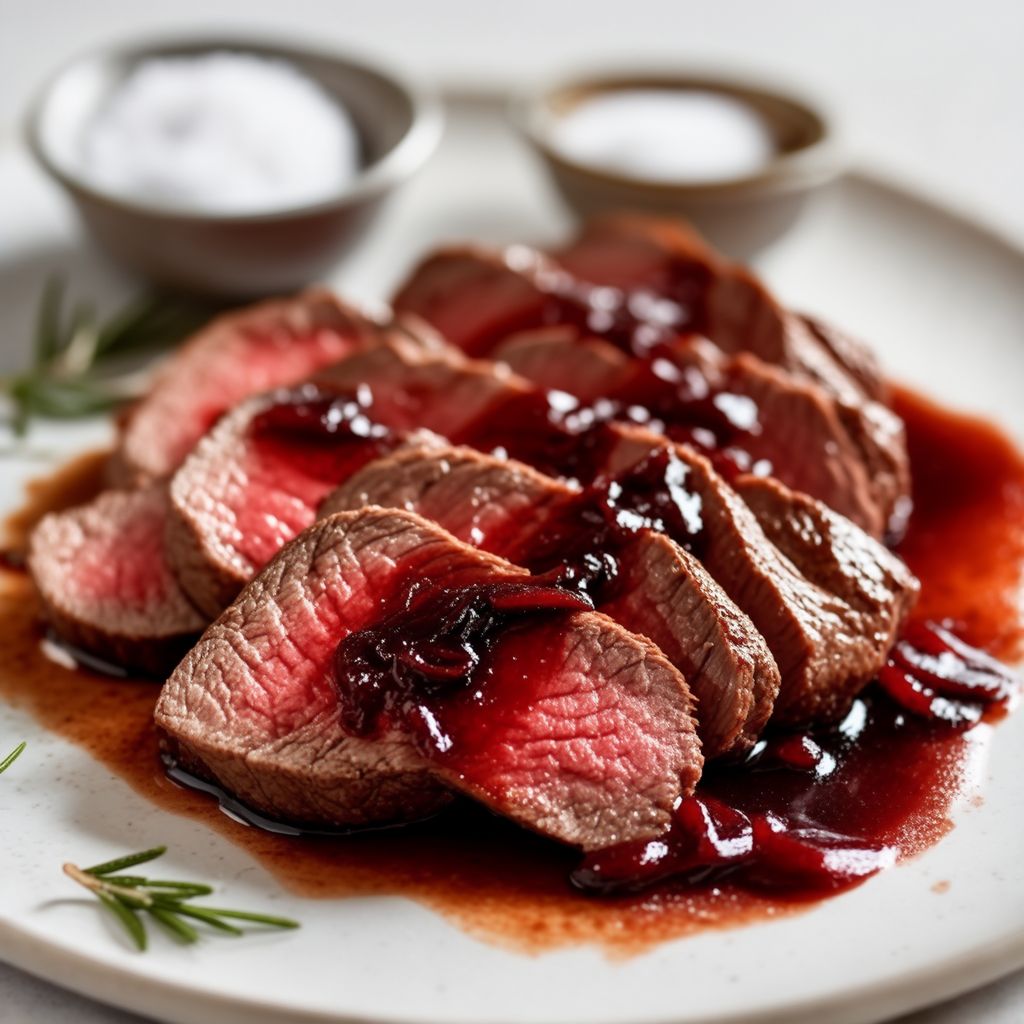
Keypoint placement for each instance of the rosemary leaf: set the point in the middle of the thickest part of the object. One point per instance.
(46, 343)
(79, 353)
(174, 924)
(178, 890)
(63, 399)
(75, 357)
(12, 757)
(166, 901)
(267, 919)
(110, 866)
(210, 918)
(127, 916)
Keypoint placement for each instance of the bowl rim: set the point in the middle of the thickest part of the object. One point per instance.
(398, 163)
(795, 170)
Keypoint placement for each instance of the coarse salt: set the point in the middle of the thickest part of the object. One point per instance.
(220, 133)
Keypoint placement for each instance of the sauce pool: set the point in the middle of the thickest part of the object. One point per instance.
(895, 780)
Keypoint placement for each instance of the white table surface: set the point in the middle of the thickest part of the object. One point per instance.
(930, 91)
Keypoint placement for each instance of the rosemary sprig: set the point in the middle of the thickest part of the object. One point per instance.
(12, 757)
(77, 360)
(128, 897)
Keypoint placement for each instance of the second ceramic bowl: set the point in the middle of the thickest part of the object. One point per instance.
(740, 215)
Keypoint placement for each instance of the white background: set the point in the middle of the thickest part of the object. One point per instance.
(932, 92)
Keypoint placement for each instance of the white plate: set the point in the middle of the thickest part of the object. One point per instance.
(943, 302)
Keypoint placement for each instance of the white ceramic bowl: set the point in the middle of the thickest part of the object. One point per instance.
(399, 125)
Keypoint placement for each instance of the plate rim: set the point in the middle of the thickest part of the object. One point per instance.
(120, 986)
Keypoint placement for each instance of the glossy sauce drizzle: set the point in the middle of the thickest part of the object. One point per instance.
(408, 666)
(886, 776)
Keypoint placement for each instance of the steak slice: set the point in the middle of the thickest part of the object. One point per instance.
(855, 357)
(660, 590)
(585, 734)
(743, 412)
(105, 584)
(815, 635)
(564, 359)
(475, 297)
(242, 492)
(268, 345)
(493, 504)
(836, 556)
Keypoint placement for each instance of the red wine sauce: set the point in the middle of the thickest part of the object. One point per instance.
(888, 778)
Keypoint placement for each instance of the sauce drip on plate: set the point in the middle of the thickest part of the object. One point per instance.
(902, 773)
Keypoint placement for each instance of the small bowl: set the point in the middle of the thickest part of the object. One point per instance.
(238, 255)
(740, 215)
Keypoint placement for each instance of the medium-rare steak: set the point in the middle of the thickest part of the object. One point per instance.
(569, 725)
(228, 517)
(256, 479)
(658, 589)
(105, 584)
(240, 496)
(742, 412)
(265, 346)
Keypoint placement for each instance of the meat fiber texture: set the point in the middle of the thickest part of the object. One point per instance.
(265, 346)
(662, 591)
(593, 746)
(235, 501)
(105, 585)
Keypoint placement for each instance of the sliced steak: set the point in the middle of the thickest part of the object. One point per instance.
(659, 590)
(744, 413)
(105, 584)
(248, 487)
(723, 301)
(814, 634)
(585, 733)
(233, 505)
(636, 281)
(646, 286)
(265, 346)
